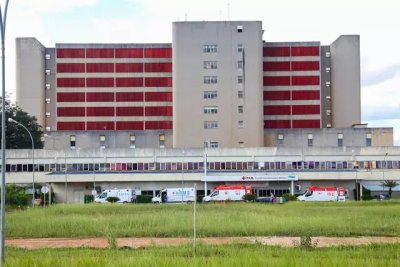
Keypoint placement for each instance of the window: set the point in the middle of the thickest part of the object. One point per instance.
(240, 64)
(210, 79)
(47, 114)
(72, 141)
(310, 139)
(214, 144)
(369, 140)
(340, 140)
(210, 65)
(280, 139)
(210, 125)
(210, 110)
(47, 86)
(47, 56)
(240, 109)
(240, 94)
(209, 48)
(47, 100)
(241, 144)
(328, 84)
(327, 54)
(210, 94)
(161, 140)
(132, 141)
(240, 79)
(240, 48)
(240, 124)
(328, 69)
(47, 72)
(102, 141)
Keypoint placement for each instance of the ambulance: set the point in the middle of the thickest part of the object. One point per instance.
(316, 193)
(228, 192)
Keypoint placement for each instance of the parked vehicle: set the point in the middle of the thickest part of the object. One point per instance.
(315, 193)
(228, 192)
(382, 197)
(170, 195)
(124, 195)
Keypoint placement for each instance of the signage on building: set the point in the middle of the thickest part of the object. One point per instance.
(250, 178)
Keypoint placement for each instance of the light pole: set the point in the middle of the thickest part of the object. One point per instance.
(33, 157)
(3, 133)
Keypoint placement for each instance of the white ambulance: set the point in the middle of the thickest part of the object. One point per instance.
(171, 195)
(124, 195)
(316, 193)
(228, 192)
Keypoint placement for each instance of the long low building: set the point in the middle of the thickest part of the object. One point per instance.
(72, 174)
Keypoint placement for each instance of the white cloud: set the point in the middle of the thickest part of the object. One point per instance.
(46, 6)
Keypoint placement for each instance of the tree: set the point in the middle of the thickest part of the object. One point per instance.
(16, 136)
(390, 184)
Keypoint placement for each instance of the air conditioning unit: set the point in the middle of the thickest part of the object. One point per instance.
(47, 56)
(328, 126)
(47, 72)
(47, 86)
(328, 97)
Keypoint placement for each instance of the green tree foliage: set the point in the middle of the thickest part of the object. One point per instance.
(390, 184)
(16, 195)
(16, 136)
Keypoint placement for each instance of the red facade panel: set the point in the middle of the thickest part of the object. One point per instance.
(129, 97)
(100, 125)
(158, 82)
(99, 82)
(71, 112)
(158, 111)
(305, 80)
(304, 51)
(276, 124)
(99, 97)
(305, 65)
(100, 67)
(70, 126)
(128, 52)
(158, 67)
(158, 125)
(129, 67)
(306, 124)
(70, 53)
(276, 95)
(130, 125)
(305, 109)
(70, 97)
(99, 111)
(276, 66)
(276, 110)
(129, 82)
(276, 80)
(70, 67)
(276, 51)
(70, 82)
(306, 95)
(158, 96)
(99, 52)
(130, 111)
(158, 52)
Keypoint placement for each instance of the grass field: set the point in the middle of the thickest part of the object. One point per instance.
(229, 255)
(219, 219)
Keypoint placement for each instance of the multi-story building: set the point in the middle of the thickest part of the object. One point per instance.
(218, 84)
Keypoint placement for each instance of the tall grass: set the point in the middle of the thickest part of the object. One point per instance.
(227, 255)
(219, 219)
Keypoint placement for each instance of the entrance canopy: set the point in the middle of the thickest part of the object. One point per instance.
(250, 178)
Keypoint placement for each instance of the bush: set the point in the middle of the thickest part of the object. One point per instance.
(144, 199)
(112, 199)
(16, 195)
(367, 197)
(249, 198)
(199, 198)
(289, 197)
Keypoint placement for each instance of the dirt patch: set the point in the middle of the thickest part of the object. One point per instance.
(137, 242)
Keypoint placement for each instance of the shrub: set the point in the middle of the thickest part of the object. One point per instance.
(367, 197)
(16, 195)
(199, 198)
(143, 198)
(289, 197)
(249, 198)
(112, 199)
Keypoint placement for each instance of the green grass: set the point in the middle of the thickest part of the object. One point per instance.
(371, 218)
(228, 255)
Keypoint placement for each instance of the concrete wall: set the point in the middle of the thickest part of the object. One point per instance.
(345, 83)
(328, 137)
(326, 94)
(188, 85)
(114, 139)
(51, 92)
(30, 77)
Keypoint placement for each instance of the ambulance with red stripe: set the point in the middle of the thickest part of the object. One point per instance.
(316, 193)
(228, 192)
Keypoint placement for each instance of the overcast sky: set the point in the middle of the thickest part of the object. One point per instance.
(150, 21)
